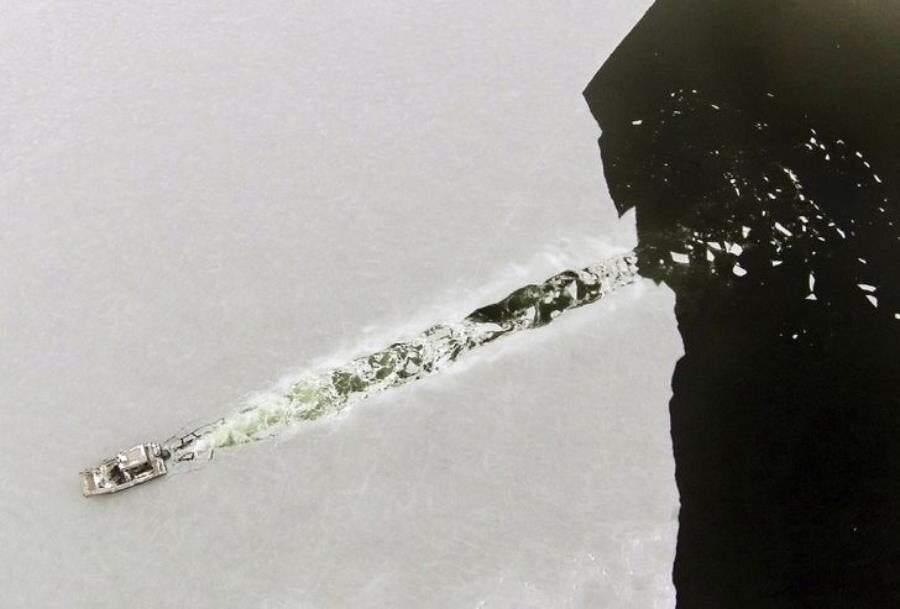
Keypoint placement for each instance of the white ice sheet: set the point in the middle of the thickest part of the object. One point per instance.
(198, 198)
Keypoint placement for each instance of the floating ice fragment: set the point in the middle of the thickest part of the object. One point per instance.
(791, 175)
(863, 260)
(679, 258)
(865, 287)
(738, 270)
(840, 232)
(710, 256)
(636, 123)
(783, 230)
(811, 297)
(777, 262)
(877, 179)
(715, 107)
(873, 300)
(745, 231)
(771, 196)
(812, 282)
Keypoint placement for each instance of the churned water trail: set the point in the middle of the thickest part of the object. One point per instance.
(318, 394)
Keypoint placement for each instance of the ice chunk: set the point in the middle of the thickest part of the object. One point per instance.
(783, 230)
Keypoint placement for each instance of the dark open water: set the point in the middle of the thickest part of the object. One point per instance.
(758, 143)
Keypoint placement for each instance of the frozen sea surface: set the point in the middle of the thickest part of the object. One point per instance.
(198, 200)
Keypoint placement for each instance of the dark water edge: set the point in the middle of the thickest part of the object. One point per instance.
(758, 143)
